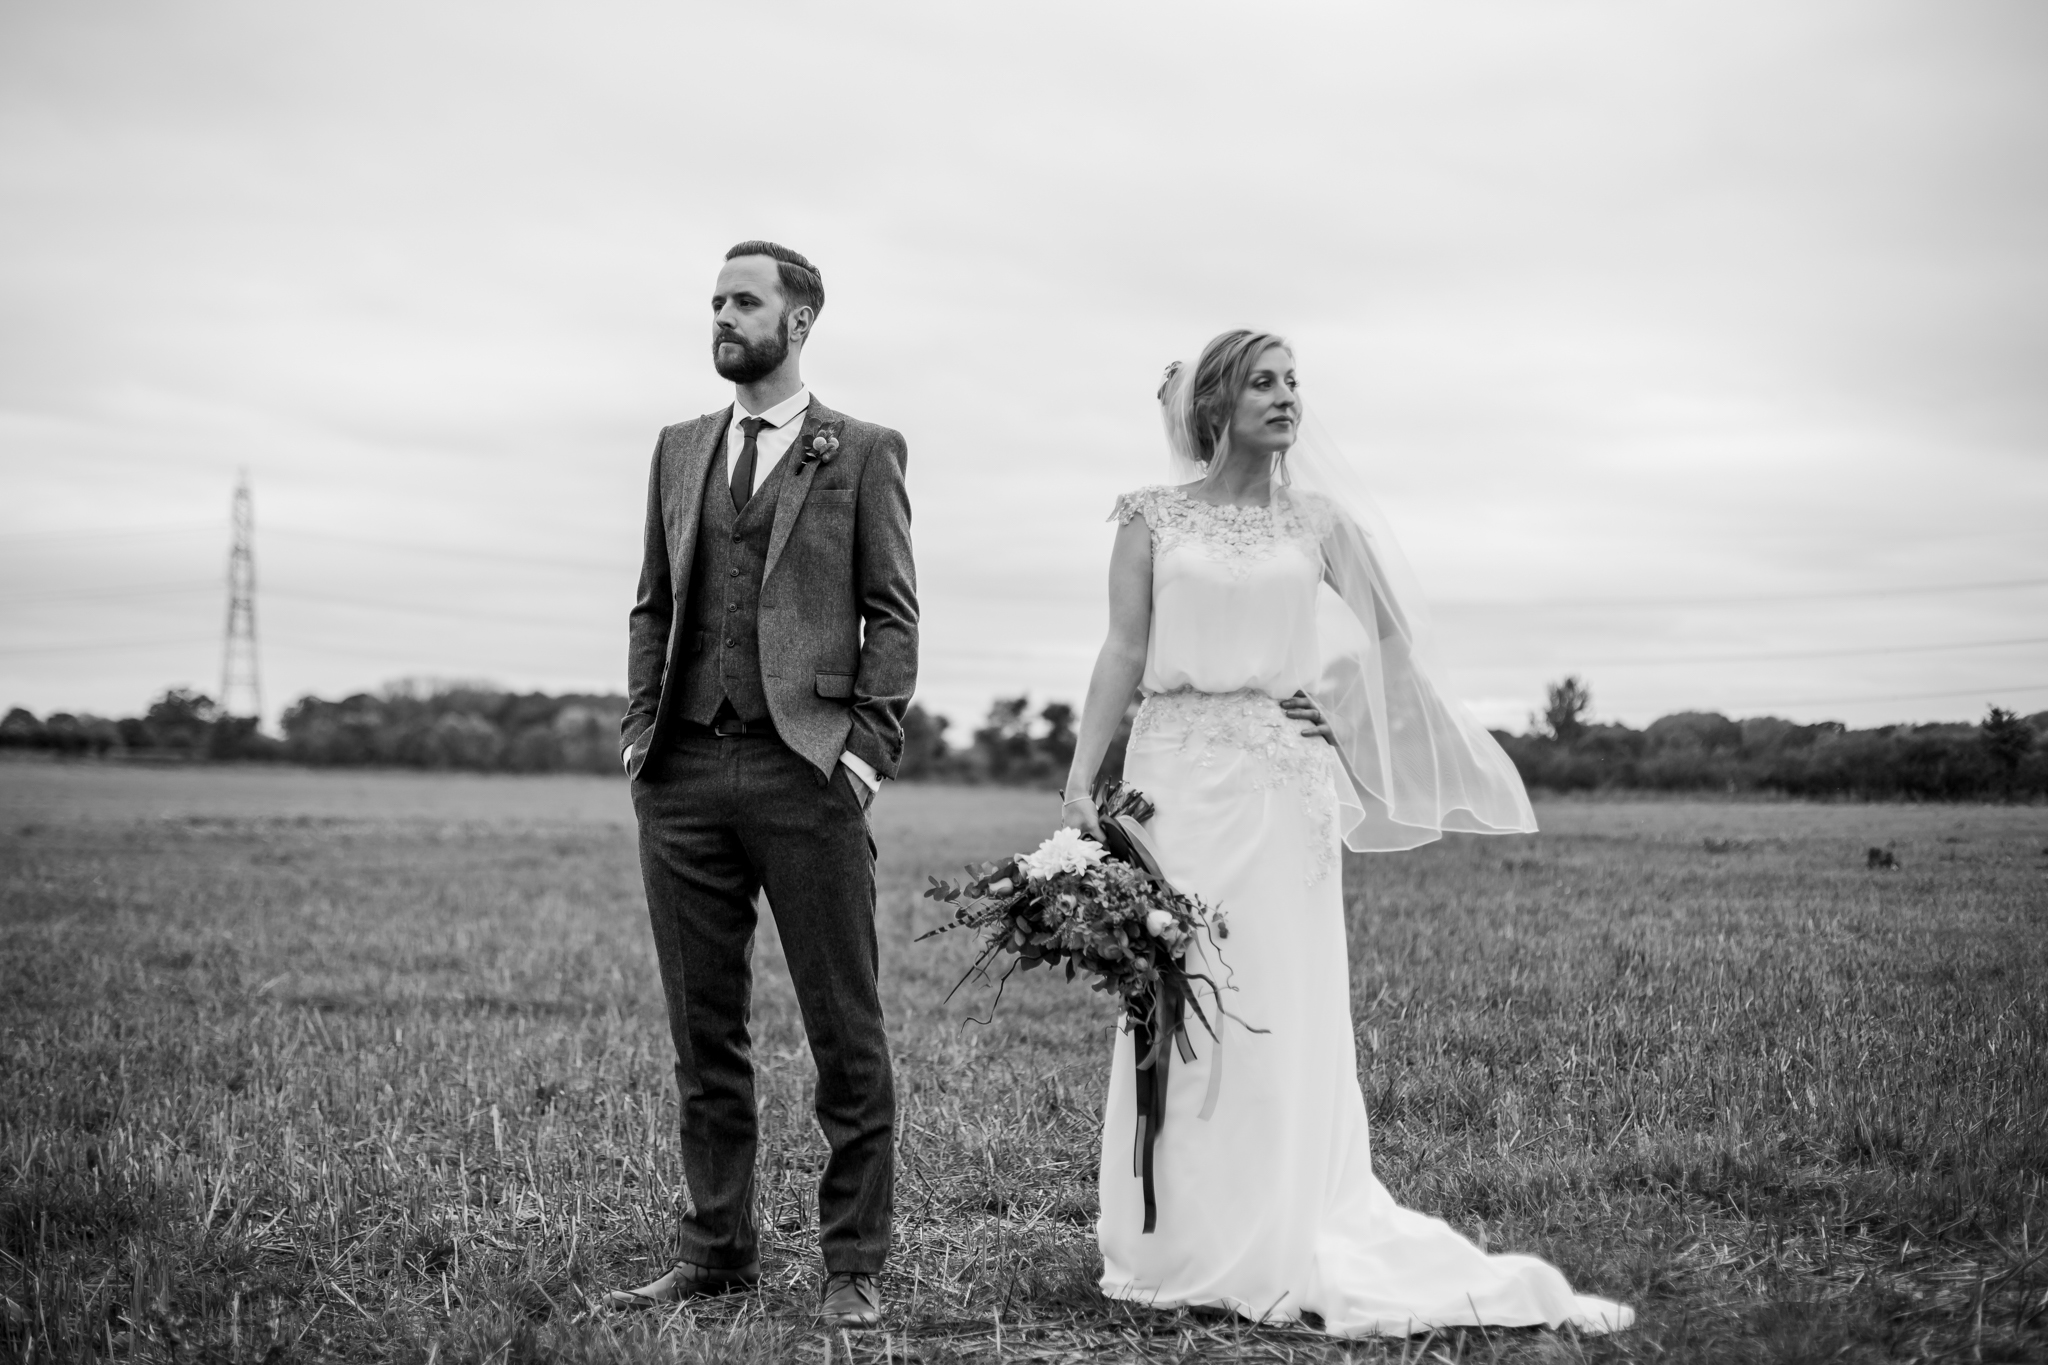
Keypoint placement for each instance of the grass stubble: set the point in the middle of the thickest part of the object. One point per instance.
(392, 1082)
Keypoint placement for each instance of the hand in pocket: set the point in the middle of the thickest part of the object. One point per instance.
(863, 795)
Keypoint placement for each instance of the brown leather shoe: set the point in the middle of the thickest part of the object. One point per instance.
(850, 1300)
(686, 1281)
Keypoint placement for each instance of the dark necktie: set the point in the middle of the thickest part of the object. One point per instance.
(743, 467)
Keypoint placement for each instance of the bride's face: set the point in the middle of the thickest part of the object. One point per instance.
(1269, 409)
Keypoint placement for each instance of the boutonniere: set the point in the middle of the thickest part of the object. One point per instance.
(824, 446)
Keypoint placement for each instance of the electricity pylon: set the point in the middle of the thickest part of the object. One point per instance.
(239, 685)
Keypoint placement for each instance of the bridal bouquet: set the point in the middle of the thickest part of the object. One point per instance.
(1099, 909)
(1104, 911)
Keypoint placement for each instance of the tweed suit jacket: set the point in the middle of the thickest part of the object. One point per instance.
(838, 601)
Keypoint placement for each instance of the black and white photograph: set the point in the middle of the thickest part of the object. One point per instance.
(1136, 682)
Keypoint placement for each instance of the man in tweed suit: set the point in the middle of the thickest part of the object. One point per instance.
(773, 651)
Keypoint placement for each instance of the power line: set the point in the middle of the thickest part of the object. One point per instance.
(191, 528)
(450, 613)
(1924, 590)
(108, 594)
(623, 566)
(325, 599)
(399, 656)
(466, 613)
(97, 646)
(612, 567)
(1808, 654)
(608, 622)
(459, 552)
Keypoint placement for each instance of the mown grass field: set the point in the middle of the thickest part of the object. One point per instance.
(299, 1066)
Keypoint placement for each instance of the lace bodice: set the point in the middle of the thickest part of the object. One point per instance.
(1233, 594)
(1237, 536)
(1233, 630)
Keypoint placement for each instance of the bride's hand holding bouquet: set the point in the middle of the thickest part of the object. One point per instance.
(1090, 898)
(1078, 813)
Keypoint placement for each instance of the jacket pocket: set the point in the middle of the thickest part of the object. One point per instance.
(831, 495)
(838, 686)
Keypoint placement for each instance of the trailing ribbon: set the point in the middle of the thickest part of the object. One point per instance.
(1215, 1090)
(1158, 1020)
(1154, 1062)
(1156, 1035)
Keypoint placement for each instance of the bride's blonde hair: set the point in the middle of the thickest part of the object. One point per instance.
(1220, 375)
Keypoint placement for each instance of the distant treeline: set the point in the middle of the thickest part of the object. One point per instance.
(2002, 756)
(478, 728)
(180, 724)
(1705, 751)
(472, 727)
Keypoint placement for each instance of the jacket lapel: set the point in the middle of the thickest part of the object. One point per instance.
(797, 479)
(693, 465)
(685, 494)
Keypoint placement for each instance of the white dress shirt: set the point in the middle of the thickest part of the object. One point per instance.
(785, 421)
(771, 443)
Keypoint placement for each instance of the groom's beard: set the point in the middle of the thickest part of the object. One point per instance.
(756, 360)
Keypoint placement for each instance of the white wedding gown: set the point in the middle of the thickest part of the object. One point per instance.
(1270, 1206)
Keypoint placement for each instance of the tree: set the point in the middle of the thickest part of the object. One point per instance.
(1564, 709)
(2007, 741)
(64, 733)
(1707, 732)
(180, 719)
(1004, 742)
(21, 730)
(1057, 743)
(1013, 746)
(925, 751)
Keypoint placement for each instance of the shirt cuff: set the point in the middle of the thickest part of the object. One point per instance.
(860, 769)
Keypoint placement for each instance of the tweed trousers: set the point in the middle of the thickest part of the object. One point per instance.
(727, 818)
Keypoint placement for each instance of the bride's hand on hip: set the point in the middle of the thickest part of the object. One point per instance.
(1079, 813)
(1302, 708)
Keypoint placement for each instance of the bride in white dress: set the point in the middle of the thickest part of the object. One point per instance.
(1288, 710)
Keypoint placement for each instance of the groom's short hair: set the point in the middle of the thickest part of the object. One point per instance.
(802, 285)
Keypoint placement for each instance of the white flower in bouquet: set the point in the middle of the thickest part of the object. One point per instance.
(1158, 922)
(1066, 851)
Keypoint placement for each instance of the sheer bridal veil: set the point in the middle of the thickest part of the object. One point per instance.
(1417, 763)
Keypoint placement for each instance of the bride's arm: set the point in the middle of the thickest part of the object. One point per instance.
(1118, 667)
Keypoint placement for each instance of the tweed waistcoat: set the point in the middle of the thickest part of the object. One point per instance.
(725, 598)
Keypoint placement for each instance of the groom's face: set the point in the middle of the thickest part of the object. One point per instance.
(749, 320)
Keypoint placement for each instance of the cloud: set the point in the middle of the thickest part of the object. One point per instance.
(1611, 300)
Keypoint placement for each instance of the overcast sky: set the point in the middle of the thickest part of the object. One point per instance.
(1699, 349)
